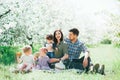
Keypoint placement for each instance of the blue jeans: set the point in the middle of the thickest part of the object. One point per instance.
(50, 54)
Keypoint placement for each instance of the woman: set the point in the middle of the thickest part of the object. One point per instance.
(60, 47)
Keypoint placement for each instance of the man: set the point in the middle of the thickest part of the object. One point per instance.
(75, 47)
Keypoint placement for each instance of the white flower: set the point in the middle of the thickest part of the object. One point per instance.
(10, 25)
(1, 31)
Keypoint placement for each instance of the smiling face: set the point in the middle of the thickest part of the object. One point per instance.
(29, 52)
(72, 36)
(43, 51)
(58, 35)
(49, 38)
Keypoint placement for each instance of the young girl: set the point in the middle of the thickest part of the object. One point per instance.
(26, 60)
(43, 60)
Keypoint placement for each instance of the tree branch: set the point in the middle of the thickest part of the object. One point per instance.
(5, 13)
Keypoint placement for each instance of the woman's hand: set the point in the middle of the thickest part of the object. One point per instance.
(52, 60)
(56, 49)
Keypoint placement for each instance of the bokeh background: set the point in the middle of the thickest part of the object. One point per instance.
(26, 22)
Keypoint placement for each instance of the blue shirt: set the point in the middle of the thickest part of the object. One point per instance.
(75, 49)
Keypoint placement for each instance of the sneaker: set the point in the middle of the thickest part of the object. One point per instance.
(28, 71)
(96, 68)
(15, 71)
(102, 70)
(80, 71)
(91, 68)
(22, 71)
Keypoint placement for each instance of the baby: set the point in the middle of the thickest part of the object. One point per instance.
(26, 60)
(43, 60)
(49, 45)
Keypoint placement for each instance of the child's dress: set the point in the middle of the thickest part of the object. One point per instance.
(43, 63)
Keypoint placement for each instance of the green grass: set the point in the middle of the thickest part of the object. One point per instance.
(103, 54)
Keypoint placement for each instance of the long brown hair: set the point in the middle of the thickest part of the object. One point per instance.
(55, 40)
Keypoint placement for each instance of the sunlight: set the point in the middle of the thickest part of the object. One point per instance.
(91, 10)
(88, 14)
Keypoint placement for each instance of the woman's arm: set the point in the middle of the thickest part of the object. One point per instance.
(53, 60)
(85, 61)
(65, 51)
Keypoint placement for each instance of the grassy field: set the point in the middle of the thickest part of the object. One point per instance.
(103, 54)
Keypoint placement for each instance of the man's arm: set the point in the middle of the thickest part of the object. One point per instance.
(65, 57)
(85, 61)
(85, 51)
(87, 54)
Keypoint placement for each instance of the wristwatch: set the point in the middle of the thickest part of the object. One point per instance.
(59, 59)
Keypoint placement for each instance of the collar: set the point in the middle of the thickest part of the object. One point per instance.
(77, 42)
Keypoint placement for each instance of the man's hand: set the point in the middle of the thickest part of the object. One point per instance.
(65, 57)
(85, 61)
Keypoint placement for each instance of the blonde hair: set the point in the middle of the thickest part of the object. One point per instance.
(27, 48)
(44, 49)
(37, 54)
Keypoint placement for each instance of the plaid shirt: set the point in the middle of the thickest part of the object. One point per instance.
(75, 49)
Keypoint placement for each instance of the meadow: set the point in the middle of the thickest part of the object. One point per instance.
(102, 54)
